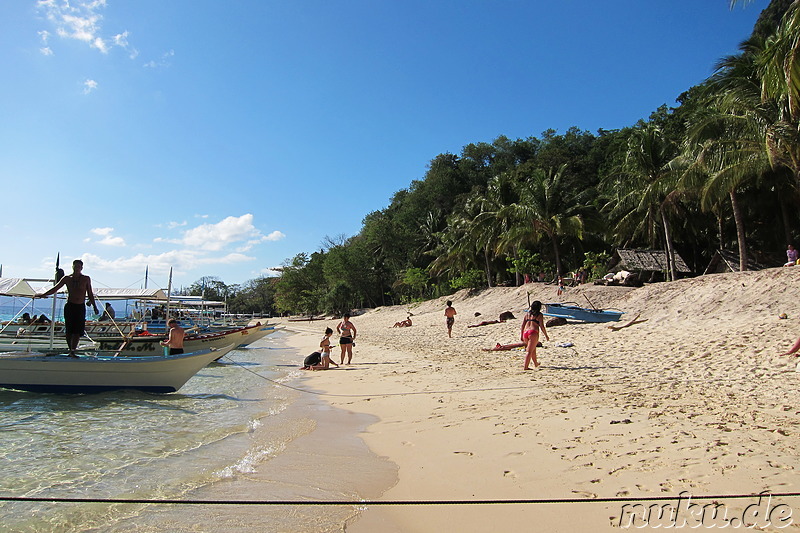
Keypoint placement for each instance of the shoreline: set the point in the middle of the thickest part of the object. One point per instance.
(311, 451)
(692, 400)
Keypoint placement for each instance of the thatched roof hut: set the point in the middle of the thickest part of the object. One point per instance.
(728, 261)
(642, 261)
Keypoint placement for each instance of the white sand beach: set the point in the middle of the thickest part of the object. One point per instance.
(692, 398)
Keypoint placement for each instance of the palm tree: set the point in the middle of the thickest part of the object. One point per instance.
(745, 137)
(645, 192)
(547, 207)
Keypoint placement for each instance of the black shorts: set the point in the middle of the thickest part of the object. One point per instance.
(345, 340)
(450, 321)
(175, 351)
(74, 319)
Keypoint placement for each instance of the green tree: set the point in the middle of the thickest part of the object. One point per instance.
(547, 207)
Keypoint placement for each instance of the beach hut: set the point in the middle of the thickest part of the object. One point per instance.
(728, 261)
(645, 263)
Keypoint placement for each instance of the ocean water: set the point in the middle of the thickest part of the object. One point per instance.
(228, 434)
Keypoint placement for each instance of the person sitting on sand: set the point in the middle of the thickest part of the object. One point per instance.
(532, 323)
(792, 255)
(403, 323)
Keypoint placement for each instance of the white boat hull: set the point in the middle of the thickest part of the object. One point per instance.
(37, 371)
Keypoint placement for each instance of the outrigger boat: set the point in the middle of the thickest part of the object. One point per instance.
(581, 314)
(150, 345)
(45, 371)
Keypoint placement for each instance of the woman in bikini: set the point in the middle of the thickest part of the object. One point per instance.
(347, 332)
(325, 346)
(531, 324)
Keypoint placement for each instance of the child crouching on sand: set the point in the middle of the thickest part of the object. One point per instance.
(321, 360)
(325, 345)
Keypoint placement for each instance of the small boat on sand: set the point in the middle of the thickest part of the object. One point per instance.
(95, 371)
(581, 314)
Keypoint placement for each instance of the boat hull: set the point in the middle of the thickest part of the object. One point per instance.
(581, 314)
(41, 372)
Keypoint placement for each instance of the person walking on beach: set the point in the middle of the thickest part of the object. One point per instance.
(450, 317)
(347, 337)
(175, 339)
(532, 322)
(79, 288)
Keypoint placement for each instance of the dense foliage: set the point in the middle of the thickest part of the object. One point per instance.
(720, 170)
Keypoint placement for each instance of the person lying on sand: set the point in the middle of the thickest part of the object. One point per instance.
(485, 323)
(506, 315)
(505, 347)
(793, 349)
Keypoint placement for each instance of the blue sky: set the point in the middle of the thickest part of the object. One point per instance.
(222, 138)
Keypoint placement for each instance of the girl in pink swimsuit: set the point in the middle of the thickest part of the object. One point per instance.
(529, 333)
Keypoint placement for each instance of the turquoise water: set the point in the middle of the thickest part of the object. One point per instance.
(227, 434)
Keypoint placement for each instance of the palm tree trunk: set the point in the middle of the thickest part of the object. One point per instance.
(786, 224)
(668, 245)
(738, 218)
(488, 267)
(557, 256)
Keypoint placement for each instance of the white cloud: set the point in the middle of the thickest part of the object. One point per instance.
(46, 51)
(214, 237)
(107, 238)
(89, 86)
(275, 236)
(81, 21)
(112, 241)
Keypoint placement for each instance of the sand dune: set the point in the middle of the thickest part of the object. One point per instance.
(694, 398)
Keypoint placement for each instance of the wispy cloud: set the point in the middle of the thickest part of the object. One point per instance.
(107, 239)
(162, 62)
(81, 21)
(89, 86)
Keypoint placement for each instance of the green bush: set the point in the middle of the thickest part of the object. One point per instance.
(471, 279)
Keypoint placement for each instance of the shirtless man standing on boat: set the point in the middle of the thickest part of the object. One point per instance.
(79, 288)
(175, 339)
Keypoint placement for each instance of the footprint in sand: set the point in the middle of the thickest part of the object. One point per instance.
(585, 493)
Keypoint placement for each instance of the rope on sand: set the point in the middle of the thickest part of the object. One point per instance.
(364, 503)
(644, 384)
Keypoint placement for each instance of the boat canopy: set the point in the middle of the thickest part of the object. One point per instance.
(130, 294)
(16, 287)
